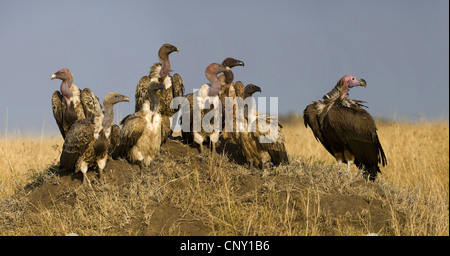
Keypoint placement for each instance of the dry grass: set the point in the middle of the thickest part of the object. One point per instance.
(22, 156)
(417, 154)
(307, 197)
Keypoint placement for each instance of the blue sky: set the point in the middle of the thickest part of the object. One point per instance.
(294, 50)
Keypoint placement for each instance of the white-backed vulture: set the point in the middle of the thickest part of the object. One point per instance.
(86, 144)
(71, 103)
(140, 137)
(160, 73)
(225, 81)
(205, 96)
(345, 129)
(260, 142)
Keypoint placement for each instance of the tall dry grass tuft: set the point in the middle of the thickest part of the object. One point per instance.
(21, 155)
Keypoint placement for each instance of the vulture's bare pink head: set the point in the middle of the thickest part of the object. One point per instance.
(215, 68)
(349, 81)
(211, 73)
(67, 79)
(63, 74)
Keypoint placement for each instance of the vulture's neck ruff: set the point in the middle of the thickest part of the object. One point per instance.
(339, 93)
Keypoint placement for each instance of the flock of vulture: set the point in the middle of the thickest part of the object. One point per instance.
(343, 127)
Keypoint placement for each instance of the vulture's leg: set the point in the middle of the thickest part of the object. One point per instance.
(340, 159)
(199, 140)
(340, 166)
(349, 164)
(213, 147)
(101, 166)
(201, 148)
(84, 169)
(350, 160)
(86, 180)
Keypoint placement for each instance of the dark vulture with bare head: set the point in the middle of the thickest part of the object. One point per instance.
(140, 137)
(345, 129)
(260, 143)
(160, 73)
(70, 103)
(86, 143)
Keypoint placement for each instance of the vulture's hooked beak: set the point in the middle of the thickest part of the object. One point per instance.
(126, 99)
(362, 82)
(176, 49)
(257, 89)
(53, 77)
(240, 63)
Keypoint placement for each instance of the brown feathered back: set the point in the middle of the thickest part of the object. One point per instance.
(353, 128)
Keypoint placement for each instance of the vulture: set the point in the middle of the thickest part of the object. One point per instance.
(206, 95)
(86, 142)
(112, 131)
(140, 137)
(71, 103)
(227, 78)
(159, 73)
(225, 81)
(260, 143)
(345, 129)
